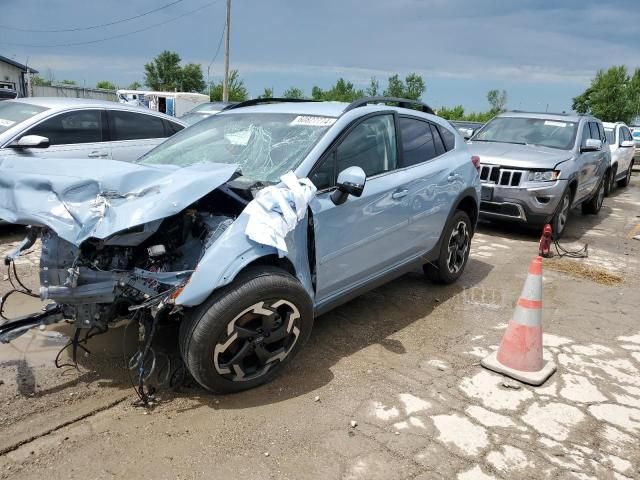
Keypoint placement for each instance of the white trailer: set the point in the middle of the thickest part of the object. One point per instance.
(171, 103)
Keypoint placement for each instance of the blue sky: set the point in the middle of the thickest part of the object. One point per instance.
(542, 52)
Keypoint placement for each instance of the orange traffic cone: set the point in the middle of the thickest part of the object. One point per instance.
(520, 352)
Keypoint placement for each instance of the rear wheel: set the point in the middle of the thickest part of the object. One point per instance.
(627, 179)
(559, 220)
(611, 184)
(246, 333)
(594, 204)
(454, 250)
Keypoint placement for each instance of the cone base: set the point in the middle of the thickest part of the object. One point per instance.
(532, 378)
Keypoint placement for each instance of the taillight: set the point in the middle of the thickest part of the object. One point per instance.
(476, 162)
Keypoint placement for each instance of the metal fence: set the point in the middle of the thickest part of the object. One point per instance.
(73, 92)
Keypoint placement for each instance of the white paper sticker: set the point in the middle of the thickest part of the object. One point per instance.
(6, 123)
(552, 123)
(310, 121)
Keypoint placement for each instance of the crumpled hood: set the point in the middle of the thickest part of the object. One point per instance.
(83, 198)
(518, 156)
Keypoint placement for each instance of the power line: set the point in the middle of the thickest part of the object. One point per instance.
(99, 40)
(215, 57)
(91, 27)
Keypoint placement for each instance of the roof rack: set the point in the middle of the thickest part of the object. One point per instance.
(402, 102)
(263, 101)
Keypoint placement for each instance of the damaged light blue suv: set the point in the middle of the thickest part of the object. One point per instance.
(246, 225)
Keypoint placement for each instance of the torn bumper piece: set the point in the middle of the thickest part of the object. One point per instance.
(13, 328)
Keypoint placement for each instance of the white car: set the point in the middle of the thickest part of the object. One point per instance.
(622, 149)
(80, 128)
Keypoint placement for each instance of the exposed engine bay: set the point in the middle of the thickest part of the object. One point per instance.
(103, 280)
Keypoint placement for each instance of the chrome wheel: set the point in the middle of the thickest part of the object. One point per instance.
(458, 247)
(257, 339)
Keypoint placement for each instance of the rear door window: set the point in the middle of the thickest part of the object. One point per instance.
(448, 137)
(79, 126)
(135, 126)
(418, 143)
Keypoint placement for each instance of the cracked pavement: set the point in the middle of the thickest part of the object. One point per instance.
(402, 361)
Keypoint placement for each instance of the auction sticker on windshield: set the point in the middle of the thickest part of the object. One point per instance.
(6, 123)
(311, 121)
(553, 123)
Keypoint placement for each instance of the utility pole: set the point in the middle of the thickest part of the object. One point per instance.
(225, 85)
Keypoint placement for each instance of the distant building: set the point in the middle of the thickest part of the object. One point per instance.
(13, 75)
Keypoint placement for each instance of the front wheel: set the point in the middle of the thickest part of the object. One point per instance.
(454, 250)
(559, 220)
(611, 184)
(245, 333)
(594, 204)
(627, 179)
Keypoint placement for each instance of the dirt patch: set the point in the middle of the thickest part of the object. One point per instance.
(580, 270)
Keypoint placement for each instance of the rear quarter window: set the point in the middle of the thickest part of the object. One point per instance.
(448, 138)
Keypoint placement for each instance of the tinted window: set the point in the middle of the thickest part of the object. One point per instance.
(448, 138)
(594, 131)
(172, 127)
(371, 146)
(417, 141)
(586, 134)
(135, 126)
(626, 134)
(437, 141)
(82, 126)
(602, 136)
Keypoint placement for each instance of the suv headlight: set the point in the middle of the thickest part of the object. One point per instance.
(548, 176)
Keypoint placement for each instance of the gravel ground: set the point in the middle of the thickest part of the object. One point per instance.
(388, 387)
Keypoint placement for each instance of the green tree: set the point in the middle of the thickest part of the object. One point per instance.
(612, 95)
(106, 84)
(237, 91)
(412, 87)
(455, 113)
(267, 93)
(134, 85)
(39, 81)
(373, 90)
(68, 82)
(163, 73)
(293, 92)
(191, 78)
(342, 91)
(497, 100)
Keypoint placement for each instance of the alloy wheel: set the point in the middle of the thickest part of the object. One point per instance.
(257, 339)
(458, 247)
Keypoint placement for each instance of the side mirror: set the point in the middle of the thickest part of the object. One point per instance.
(31, 141)
(350, 182)
(468, 133)
(627, 144)
(592, 145)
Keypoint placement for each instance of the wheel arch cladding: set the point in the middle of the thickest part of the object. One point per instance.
(469, 205)
(234, 252)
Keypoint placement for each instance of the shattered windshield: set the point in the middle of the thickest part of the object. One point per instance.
(529, 131)
(12, 113)
(264, 145)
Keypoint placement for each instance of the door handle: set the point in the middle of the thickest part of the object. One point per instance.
(452, 177)
(97, 154)
(398, 194)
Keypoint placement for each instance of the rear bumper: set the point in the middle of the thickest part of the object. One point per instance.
(534, 205)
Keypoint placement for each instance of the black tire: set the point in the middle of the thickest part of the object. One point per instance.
(223, 365)
(611, 184)
(561, 217)
(594, 204)
(627, 179)
(450, 264)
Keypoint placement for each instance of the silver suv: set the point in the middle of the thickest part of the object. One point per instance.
(537, 166)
